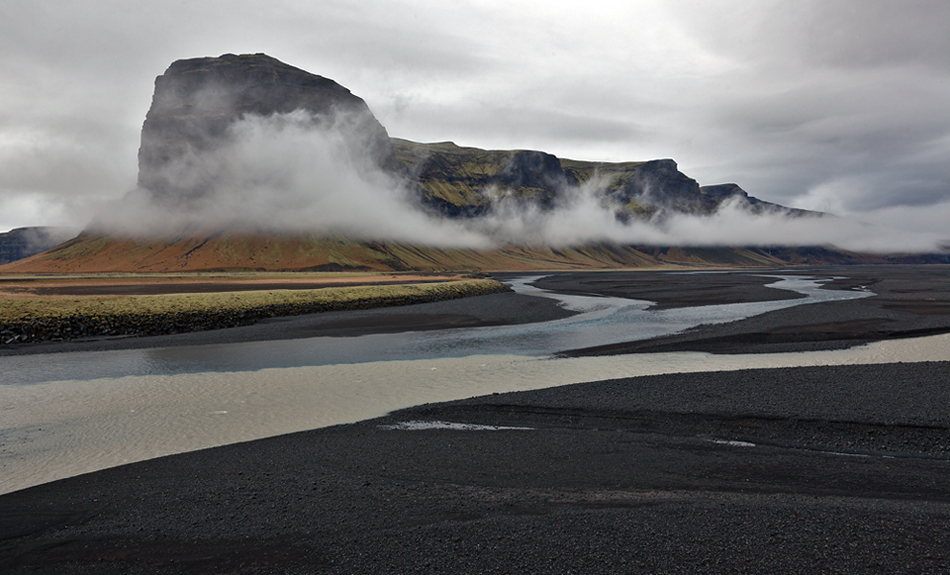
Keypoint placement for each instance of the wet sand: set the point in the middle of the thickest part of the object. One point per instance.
(821, 469)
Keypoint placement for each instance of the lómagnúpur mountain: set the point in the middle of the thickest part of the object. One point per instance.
(198, 101)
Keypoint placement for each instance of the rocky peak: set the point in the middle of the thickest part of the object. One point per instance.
(649, 188)
(724, 191)
(196, 100)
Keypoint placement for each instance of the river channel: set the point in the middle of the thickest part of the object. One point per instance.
(69, 413)
(599, 321)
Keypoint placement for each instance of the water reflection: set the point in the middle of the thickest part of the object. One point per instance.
(601, 321)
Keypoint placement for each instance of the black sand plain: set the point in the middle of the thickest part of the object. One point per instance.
(800, 470)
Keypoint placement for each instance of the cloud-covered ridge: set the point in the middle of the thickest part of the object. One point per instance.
(296, 173)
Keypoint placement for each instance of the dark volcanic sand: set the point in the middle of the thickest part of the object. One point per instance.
(849, 472)
(910, 301)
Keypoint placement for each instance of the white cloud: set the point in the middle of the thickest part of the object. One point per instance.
(808, 103)
(281, 173)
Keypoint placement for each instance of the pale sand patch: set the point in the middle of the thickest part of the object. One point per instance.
(59, 429)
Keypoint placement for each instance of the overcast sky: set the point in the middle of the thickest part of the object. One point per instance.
(839, 106)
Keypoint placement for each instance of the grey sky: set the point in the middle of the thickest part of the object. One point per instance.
(832, 105)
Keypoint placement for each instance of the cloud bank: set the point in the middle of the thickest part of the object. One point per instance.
(818, 104)
(280, 174)
(288, 173)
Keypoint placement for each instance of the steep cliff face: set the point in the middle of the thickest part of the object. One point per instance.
(721, 192)
(469, 182)
(642, 189)
(196, 101)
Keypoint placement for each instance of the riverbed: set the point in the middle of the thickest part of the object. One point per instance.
(71, 413)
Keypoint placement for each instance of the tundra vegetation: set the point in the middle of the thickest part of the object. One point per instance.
(28, 317)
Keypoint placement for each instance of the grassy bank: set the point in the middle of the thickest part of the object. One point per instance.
(55, 318)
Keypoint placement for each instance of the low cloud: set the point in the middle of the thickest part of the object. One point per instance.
(280, 174)
(584, 220)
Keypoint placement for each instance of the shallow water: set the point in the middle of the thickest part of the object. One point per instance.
(56, 424)
(601, 321)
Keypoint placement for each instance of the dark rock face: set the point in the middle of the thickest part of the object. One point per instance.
(659, 186)
(197, 100)
(536, 175)
(22, 243)
(468, 182)
(722, 192)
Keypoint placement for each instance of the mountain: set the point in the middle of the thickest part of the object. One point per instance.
(22, 243)
(198, 102)
(457, 181)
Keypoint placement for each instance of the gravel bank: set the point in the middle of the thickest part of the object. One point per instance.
(909, 301)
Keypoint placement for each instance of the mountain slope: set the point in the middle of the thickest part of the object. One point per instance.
(233, 251)
(461, 181)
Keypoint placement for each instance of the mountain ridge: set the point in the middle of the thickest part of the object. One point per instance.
(458, 181)
(197, 100)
